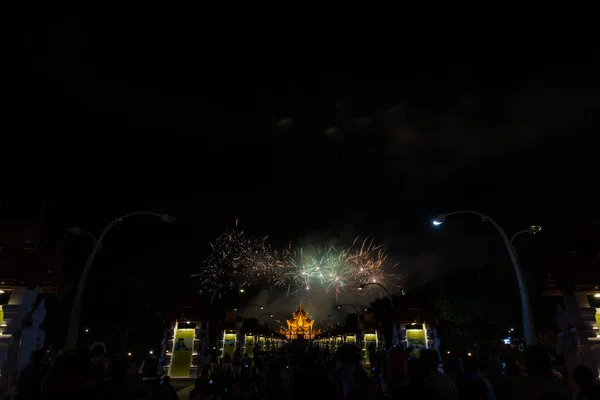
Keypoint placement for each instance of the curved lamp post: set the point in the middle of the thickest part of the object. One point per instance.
(262, 315)
(213, 293)
(243, 310)
(362, 287)
(74, 320)
(528, 330)
(335, 315)
(339, 307)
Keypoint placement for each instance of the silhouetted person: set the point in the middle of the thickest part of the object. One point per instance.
(435, 385)
(72, 378)
(352, 381)
(120, 385)
(500, 382)
(201, 386)
(588, 385)
(166, 391)
(540, 382)
(150, 381)
(470, 385)
(32, 376)
(196, 393)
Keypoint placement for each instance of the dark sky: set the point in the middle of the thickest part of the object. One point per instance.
(156, 116)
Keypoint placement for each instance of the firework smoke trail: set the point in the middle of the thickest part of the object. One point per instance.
(238, 260)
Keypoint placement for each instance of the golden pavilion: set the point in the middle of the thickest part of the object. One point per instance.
(300, 326)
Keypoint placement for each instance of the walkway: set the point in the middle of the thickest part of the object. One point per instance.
(184, 393)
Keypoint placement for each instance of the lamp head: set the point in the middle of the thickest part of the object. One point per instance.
(439, 220)
(167, 218)
(262, 308)
(271, 315)
(242, 291)
(75, 230)
(361, 287)
(533, 229)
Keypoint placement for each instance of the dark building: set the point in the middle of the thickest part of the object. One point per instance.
(574, 265)
(27, 258)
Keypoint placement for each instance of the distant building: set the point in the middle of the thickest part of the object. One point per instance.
(300, 327)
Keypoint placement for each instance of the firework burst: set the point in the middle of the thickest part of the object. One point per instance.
(338, 269)
(239, 260)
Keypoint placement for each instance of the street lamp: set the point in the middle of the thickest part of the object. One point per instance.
(76, 231)
(262, 315)
(334, 315)
(339, 307)
(251, 305)
(74, 320)
(525, 305)
(362, 287)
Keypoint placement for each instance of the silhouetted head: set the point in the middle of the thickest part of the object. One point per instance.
(430, 359)
(98, 352)
(494, 367)
(470, 364)
(198, 383)
(584, 377)
(117, 370)
(74, 360)
(37, 356)
(538, 361)
(348, 354)
(150, 368)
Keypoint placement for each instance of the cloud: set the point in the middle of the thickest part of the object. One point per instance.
(420, 270)
(284, 123)
(472, 128)
(423, 145)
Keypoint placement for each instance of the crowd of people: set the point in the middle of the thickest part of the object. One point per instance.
(85, 374)
(300, 372)
(307, 373)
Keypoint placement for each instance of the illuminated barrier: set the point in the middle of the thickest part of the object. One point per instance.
(181, 354)
(370, 341)
(249, 345)
(415, 336)
(338, 342)
(229, 343)
(351, 339)
(262, 342)
(332, 342)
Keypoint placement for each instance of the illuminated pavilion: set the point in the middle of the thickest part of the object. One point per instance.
(300, 326)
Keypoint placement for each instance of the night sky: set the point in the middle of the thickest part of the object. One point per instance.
(151, 116)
